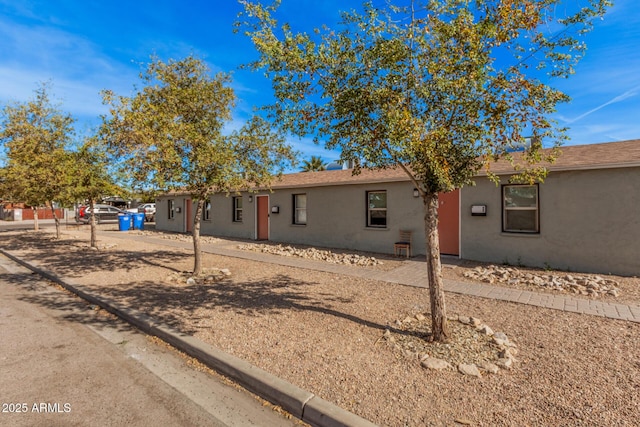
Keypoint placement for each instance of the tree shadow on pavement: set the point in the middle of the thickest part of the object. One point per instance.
(66, 305)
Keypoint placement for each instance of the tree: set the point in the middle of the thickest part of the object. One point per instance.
(90, 177)
(36, 135)
(312, 165)
(170, 137)
(438, 88)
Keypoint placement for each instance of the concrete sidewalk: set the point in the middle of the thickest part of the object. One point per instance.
(414, 273)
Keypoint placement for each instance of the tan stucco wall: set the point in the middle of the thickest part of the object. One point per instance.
(589, 221)
(336, 217)
(177, 223)
(221, 220)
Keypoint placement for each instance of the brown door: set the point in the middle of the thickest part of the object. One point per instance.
(449, 222)
(187, 215)
(263, 217)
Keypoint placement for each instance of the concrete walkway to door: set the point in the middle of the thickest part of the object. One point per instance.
(413, 273)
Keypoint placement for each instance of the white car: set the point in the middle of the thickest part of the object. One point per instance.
(149, 211)
(103, 213)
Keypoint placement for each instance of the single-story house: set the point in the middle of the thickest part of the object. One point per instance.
(584, 217)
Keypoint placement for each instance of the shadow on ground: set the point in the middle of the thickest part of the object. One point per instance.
(77, 255)
(173, 304)
(68, 306)
(179, 306)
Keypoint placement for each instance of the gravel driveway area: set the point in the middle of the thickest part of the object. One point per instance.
(325, 332)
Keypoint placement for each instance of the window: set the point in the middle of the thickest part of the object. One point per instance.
(237, 209)
(377, 209)
(300, 209)
(172, 208)
(206, 212)
(520, 209)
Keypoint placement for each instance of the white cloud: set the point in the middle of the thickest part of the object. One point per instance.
(622, 97)
(40, 54)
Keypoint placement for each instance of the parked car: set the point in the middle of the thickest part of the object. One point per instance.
(80, 214)
(103, 213)
(149, 211)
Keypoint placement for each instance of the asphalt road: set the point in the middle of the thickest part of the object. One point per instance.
(65, 363)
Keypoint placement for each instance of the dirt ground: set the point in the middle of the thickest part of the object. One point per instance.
(324, 332)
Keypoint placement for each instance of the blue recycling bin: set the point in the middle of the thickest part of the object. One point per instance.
(138, 221)
(124, 222)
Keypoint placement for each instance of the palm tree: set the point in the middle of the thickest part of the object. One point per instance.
(313, 165)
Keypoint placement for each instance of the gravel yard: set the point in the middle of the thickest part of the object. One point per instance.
(326, 333)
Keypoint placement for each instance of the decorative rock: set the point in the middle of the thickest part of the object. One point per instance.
(313, 253)
(505, 363)
(464, 320)
(507, 353)
(225, 271)
(500, 341)
(500, 335)
(191, 281)
(436, 364)
(471, 370)
(488, 367)
(420, 317)
(475, 321)
(567, 283)
(485, 330)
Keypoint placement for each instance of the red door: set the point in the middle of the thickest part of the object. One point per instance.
(449, 222)
(263, 217)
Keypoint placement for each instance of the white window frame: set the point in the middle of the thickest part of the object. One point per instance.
(171, 204)
(206, 211)
(372, 209)
(507, 209)
(237, 208)
(297, 209)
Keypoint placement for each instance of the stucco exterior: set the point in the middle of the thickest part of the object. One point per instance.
(588, 213)
(589, 222)
(336, 217)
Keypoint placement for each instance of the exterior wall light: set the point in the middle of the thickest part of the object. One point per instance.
(416, 193)
(250, 199)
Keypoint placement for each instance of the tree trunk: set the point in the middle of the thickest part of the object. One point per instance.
(197, 251)
(439, 326)
(56, 219)
(92, 221)
(36, 225)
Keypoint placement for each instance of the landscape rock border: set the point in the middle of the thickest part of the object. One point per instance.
(208, 276)
(588, 285)
(474, 348)
(313, 254)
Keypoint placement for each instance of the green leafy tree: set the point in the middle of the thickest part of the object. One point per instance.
(36, 135)
(438, 88)
(169, 136)
(90, 178)
(313, 164)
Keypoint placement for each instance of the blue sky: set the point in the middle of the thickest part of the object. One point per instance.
(85, 46)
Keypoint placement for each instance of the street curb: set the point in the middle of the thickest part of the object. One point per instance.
(298, 402)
